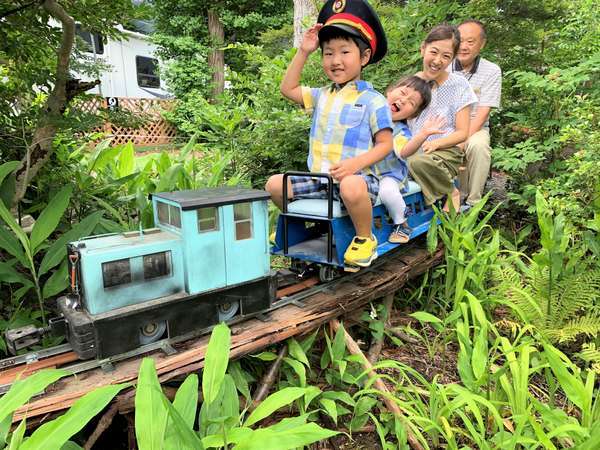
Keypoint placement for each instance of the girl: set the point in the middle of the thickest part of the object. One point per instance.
(406, 99)
(437, 165)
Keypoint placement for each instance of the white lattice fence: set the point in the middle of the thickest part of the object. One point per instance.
(155, 130)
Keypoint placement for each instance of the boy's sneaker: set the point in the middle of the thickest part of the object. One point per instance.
(400, 234)
(361, 251)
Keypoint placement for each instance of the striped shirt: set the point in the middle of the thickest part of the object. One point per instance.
(344, 123)
(486, 82)
(393, 165)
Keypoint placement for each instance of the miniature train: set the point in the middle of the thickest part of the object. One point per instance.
(207, 260)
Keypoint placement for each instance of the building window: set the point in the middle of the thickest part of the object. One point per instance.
(116, 273)
(207, 220)
(242, 217)
(157, 265)
(168, 214)
(147, 72)
(93, 41)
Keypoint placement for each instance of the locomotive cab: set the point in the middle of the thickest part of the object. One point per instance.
(207, 261)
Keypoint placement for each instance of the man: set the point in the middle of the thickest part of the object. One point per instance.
(485, 78)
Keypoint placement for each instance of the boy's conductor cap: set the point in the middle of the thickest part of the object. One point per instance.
(357, 18)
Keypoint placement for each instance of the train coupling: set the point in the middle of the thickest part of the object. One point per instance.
(23, 337)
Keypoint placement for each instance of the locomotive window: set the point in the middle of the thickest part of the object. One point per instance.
(169, 215)
(242, 217)
(163, 212)
(174, 216)
(207, 220)
(157, 265)
(115, 273)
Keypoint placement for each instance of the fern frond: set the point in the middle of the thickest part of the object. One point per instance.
(589, 353)
(575, 294)
(588, 325)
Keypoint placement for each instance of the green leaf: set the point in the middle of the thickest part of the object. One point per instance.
(239, 377)
(186, 399)
(267, 439)
(22, 390)
(49, 218)
(17, 436)
(180, 430)
(298, 368)
(9, 243)
(570, 383)
(126, 160)
(4, 429)
(216, 360)
(150, 411)
(273, 402)
(330, 408)
(296, 351)
(425, 317)
(70, 445)
(8, 274)
(14, 226)
(8, 168)
(57, 282)
(58, 250)
(55, 433)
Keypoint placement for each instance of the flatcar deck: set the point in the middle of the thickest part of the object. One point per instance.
(340, 297)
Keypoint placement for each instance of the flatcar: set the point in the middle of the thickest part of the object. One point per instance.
(316, 232)
(207, 260)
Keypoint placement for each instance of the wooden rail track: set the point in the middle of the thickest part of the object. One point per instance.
(339, 298)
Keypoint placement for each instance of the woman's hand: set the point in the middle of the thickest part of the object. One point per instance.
(310, 40)
(430, 146)
(434, 125)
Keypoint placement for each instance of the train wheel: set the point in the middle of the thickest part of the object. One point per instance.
(152, 332)
(228, 310)
(328, 273)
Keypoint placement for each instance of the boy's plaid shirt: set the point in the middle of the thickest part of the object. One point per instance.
(344, 123)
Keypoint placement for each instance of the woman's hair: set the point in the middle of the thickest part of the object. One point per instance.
(420, 85)
(443, 32)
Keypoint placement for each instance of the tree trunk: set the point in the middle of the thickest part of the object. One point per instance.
(41, 149)
(305, 15)
(216, 60)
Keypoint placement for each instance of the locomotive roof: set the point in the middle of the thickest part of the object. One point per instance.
(202, 198)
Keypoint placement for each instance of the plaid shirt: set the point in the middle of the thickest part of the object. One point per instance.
(394, 166)
(344, 123)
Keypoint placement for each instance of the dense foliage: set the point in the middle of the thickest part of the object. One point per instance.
(513, 312)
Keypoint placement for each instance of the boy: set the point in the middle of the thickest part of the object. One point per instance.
(352, 127)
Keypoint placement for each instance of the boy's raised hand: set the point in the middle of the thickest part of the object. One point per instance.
(310, 40)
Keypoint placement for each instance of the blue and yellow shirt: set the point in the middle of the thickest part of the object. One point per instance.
(393, 165)
(344, 122)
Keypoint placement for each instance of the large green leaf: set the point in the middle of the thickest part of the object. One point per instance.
(17, 436)
(267, 439)
(296, 351)
(126, 160)
(7, 168)
(55, 433)
(49, 218)
(186, 399)
(14, 226)
(9, 243)
(150, 411)
(8, 274)
(183, 436)
(57, 282)
(58, 250)
(273, 402)
(22, 390)
(215, 362)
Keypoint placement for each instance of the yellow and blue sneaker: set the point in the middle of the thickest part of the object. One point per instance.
(361, 251)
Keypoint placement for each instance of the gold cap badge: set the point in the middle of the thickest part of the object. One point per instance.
(339, 6)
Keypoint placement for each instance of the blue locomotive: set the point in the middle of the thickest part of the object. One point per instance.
(206, 261)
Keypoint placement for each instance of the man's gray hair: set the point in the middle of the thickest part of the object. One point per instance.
(476, 22)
